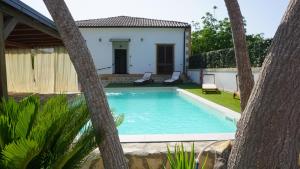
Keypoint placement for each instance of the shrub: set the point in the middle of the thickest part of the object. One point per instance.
(42, 136)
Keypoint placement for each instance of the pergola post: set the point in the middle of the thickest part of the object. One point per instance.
(3, 79)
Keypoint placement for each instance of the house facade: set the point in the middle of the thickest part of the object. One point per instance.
(129, 45)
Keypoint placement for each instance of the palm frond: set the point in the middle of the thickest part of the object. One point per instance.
(9, 112)
(8, 118)
(5, 135)
(81, 148)
(19, 153)
(16, 118)
(33, 99)
(48, 126)
(56, 134)
(24, 121)
(119, 119)
(78, 116)
(49, 121)
(10, 109)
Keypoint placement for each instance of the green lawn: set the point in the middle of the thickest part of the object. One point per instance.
(223, 98)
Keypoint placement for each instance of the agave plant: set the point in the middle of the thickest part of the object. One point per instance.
(181, 158)
(42, 136)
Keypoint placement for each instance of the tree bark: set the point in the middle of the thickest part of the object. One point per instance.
(268, 133)
(245, 76)
(3, 79)
(102, 120)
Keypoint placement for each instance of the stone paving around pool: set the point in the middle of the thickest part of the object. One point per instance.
(144, 155)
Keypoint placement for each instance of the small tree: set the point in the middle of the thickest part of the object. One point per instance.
(215, 35)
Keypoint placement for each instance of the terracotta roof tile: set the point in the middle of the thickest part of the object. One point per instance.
(126, 21)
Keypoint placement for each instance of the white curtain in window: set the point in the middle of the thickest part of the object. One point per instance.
(19, 71)
(40, 71)
(44, 62)
(54, 71)
(66, 80)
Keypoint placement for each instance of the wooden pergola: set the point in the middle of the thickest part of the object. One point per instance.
(23, 27)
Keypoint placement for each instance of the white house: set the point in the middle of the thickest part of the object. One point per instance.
(130, 45)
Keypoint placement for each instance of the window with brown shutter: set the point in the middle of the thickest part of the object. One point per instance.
(165, 59)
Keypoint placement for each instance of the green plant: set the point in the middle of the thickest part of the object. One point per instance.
(181, 159)
(40, 136)
(212, 45)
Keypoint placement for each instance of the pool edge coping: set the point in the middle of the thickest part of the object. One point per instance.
(226, 111)
(155, 138)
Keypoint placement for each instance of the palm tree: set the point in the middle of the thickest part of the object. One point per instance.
(52, 135)
(269, 130)
(246, 81)
(106, 133)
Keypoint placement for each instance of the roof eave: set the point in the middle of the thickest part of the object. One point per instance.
(189, 26)
(22, 7)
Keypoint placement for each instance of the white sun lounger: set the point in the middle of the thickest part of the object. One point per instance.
(175, 78)
(209, 86)
(145, 79)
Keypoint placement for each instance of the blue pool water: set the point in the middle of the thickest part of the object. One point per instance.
(164, 111)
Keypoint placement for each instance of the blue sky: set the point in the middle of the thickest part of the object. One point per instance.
(263, 16)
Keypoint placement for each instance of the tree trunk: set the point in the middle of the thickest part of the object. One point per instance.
(102, 120)
(268, 134)
(245, 76)
(3, 80)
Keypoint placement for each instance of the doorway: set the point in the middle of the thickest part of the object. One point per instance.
(120, 61)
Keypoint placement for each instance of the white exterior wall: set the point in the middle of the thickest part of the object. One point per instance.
(194, 75)
(141, 53)
(225, 77)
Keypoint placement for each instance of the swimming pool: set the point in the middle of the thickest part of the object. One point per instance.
(166, 111)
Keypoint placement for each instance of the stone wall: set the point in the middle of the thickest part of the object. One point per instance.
(143, 155)
(154, 155)
(153, 161)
